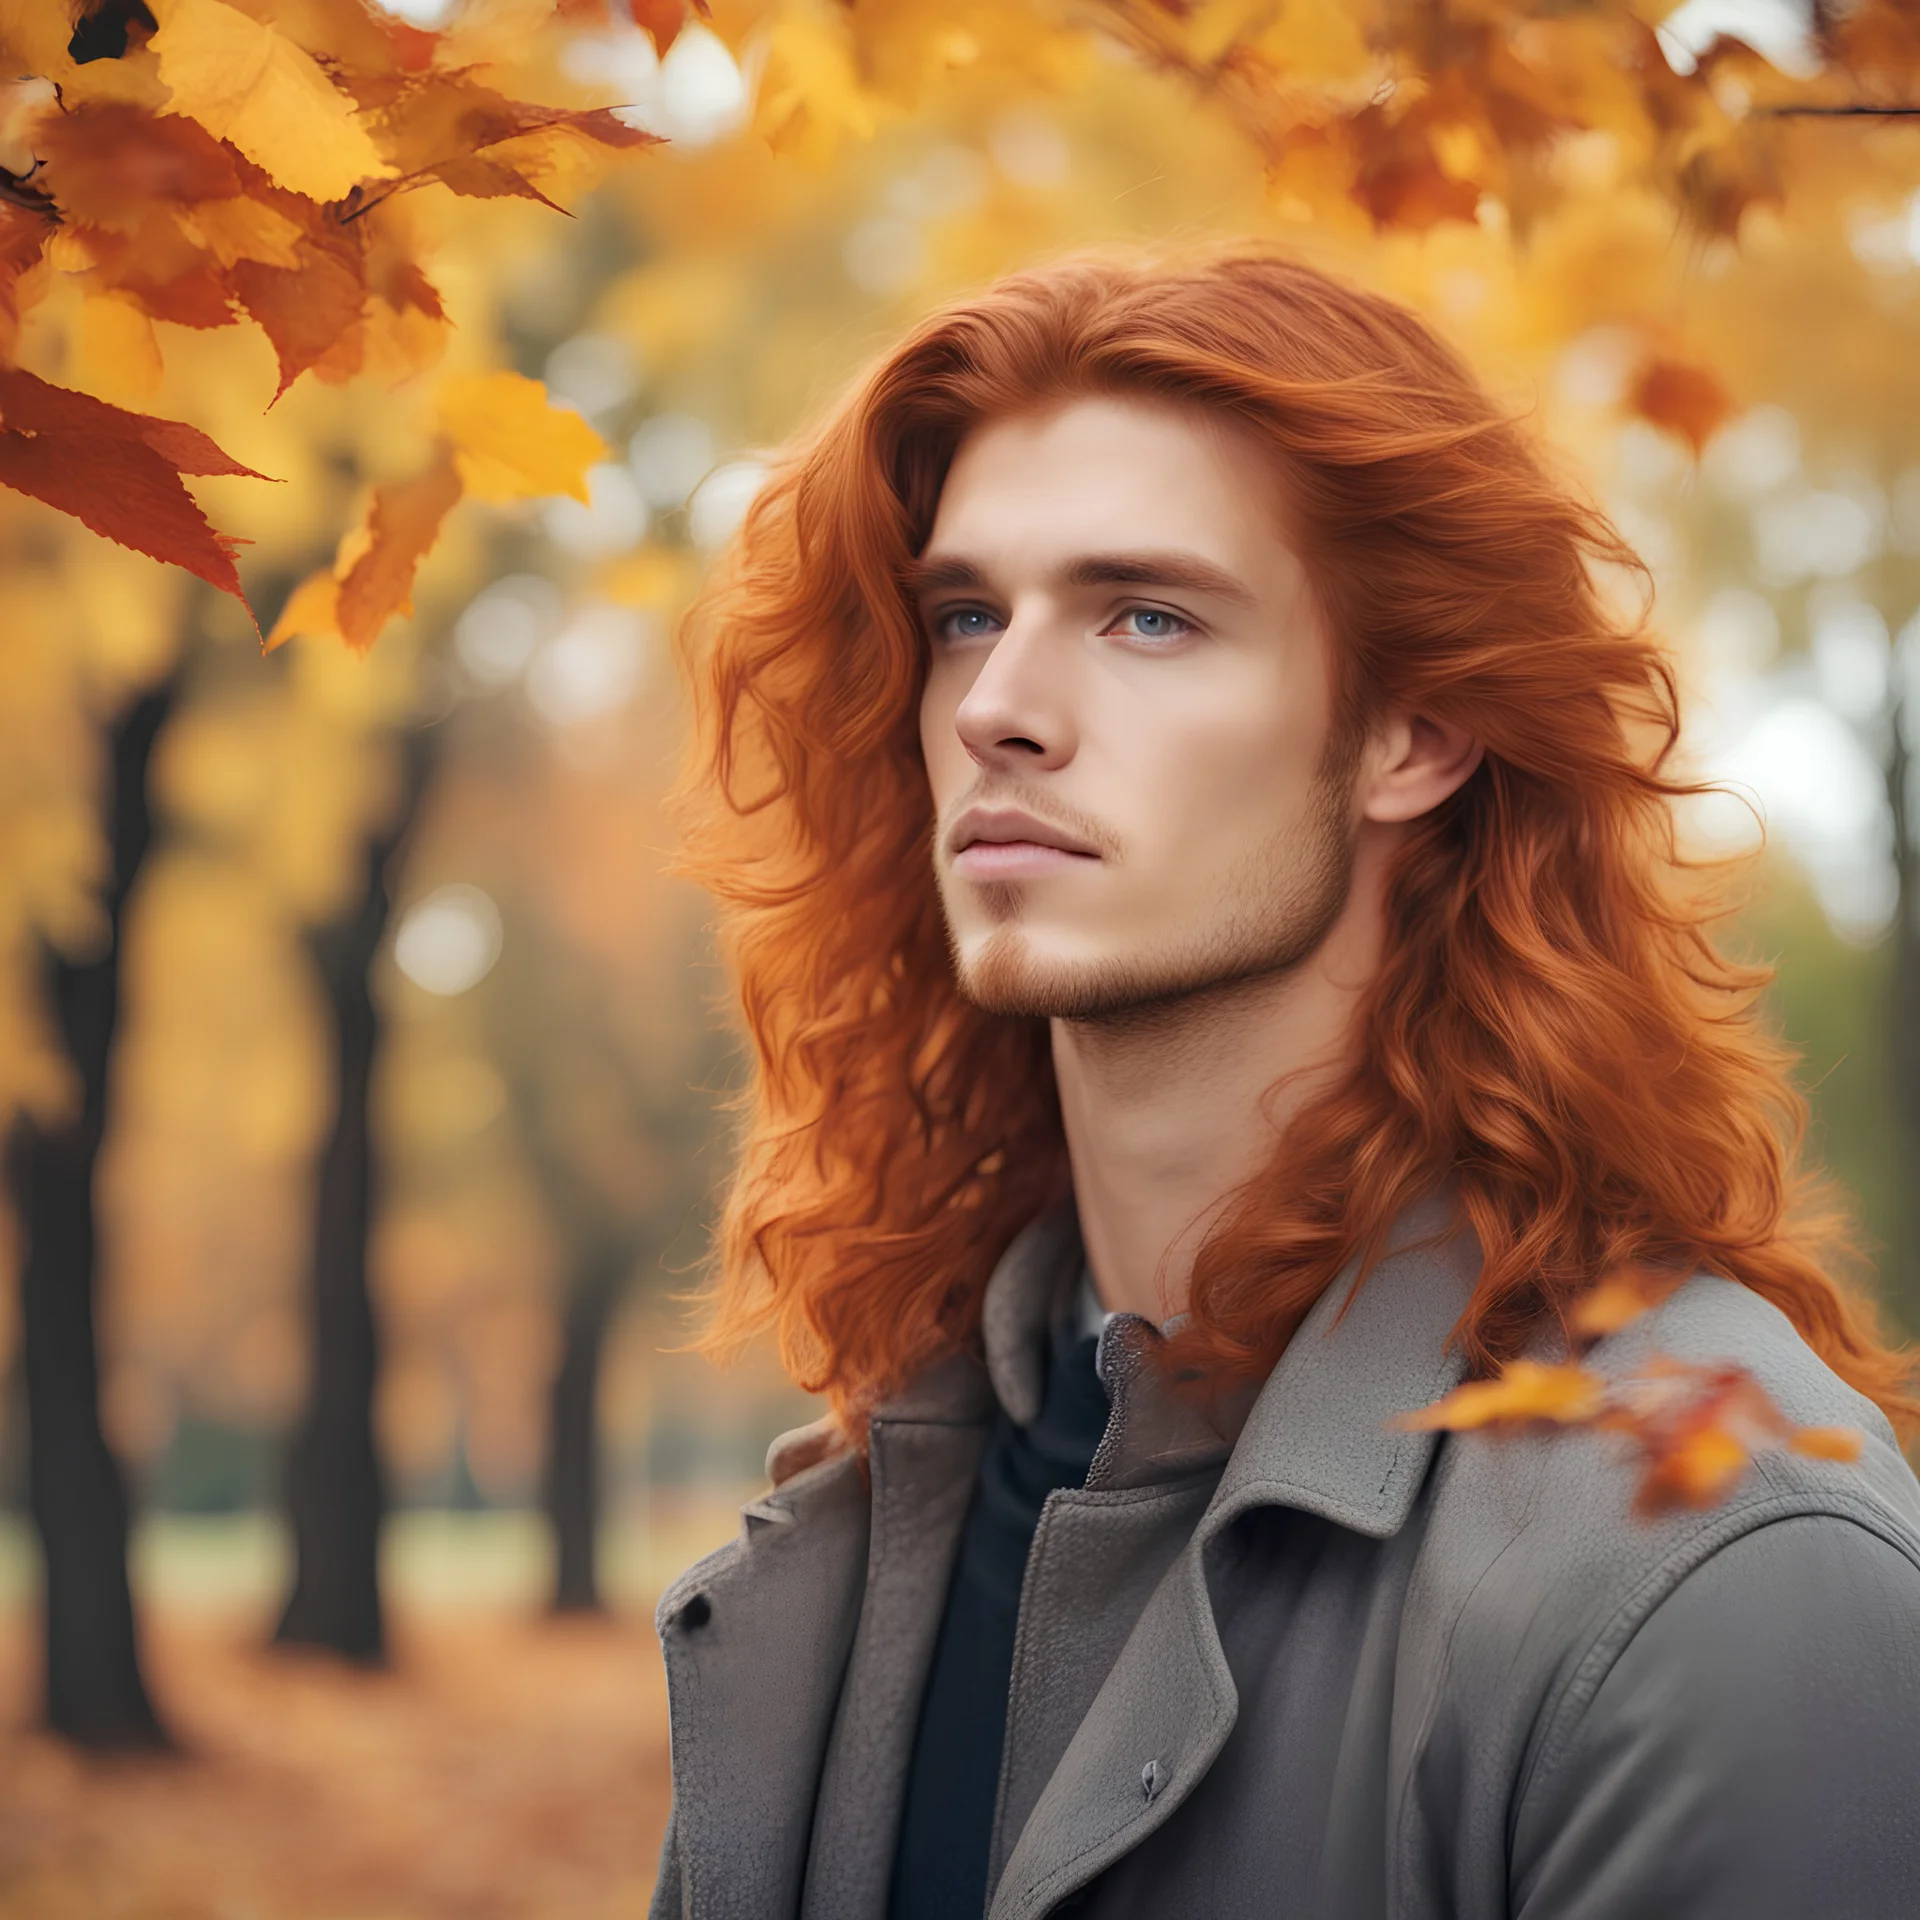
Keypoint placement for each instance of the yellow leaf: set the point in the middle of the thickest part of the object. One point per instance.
(313, 608)
(512, 442)
(246, 83)
(1618, 1299)
(1525, 1390)
(243, 228)
(119, 355)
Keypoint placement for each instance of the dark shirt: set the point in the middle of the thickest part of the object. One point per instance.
(940, 1861)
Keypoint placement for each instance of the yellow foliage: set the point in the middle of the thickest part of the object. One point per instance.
(246, 83)
(511, 442)
(119, 358)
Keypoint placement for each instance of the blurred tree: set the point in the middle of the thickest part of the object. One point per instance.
(94, 1690)
(336, 1496)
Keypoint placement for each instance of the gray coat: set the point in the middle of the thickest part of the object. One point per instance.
(1332, 1669)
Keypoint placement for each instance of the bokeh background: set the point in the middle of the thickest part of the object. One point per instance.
(445, 862)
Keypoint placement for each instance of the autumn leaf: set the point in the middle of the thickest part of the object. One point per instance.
(1688, 401)
(372, 580)
(1617, 1301)
(116, 472)
(447, 126)
(1526, 1391)
(512, 443)
(1695, 1428)
(246, 83)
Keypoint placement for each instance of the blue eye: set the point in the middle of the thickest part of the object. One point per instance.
(964, 623)
(1156, 623)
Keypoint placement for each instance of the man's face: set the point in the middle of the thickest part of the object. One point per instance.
(1124, 660)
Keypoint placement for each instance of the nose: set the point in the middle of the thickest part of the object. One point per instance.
(1018, 714)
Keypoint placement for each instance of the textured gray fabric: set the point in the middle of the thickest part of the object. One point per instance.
(1382, 1674)
(922, 1475)
(1716, 1732)
(1095, 1561)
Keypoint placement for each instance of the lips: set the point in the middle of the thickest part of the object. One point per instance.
(1010, 828)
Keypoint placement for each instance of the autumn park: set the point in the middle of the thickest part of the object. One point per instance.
(378, 379)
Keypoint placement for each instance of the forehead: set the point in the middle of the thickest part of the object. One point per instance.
(1114, 471)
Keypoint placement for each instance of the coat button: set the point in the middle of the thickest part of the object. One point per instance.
(1153, 1776)
(697, 1612)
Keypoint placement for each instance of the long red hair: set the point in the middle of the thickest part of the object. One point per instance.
(1553, 1032)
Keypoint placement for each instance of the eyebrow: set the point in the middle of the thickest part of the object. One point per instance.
(1169, 569)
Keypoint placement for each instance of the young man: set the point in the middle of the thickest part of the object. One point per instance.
(1196, 851)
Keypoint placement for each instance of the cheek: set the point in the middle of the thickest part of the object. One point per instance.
(1206, 780)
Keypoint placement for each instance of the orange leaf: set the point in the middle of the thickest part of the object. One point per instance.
(401, 526)
(1685, 400)
(1826, 1443)
(313, 608)
(23, 238)
(1698, 1469)
(1618, 1300)
(107, 160)
(116, 472)
(1525, 1390)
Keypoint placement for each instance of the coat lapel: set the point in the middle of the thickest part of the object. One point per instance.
(1318, 1438)
(755, 1639)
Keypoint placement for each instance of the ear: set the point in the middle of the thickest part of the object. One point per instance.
(1411, 764)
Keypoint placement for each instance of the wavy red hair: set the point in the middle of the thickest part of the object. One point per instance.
(1553, 1031)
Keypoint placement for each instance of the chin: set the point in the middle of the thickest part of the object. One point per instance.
(1007, 974)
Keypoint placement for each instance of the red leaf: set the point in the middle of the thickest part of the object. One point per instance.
(304, 311)
(23, 238)
(104, 160)
(116, 472)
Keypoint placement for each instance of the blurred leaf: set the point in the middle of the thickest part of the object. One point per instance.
(512, 443)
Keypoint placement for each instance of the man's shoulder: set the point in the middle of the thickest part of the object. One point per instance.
(1534, 1549)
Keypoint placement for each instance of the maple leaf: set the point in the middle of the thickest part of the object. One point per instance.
(107, 161)
(512, 443)
(246, 83)
(447, 126)
(372, 578)
(117, 472)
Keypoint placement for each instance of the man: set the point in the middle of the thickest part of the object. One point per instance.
(1194, 841)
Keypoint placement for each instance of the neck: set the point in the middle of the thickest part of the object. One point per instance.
(1170, 1107)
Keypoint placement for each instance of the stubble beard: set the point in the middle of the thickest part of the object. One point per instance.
(1285, 897)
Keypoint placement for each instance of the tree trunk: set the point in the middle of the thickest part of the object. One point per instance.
(95, 1694)
(335, 1489)
(572, 1485)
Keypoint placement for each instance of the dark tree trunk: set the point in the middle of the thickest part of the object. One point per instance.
(335, 1489)
(94, 1691)
(572, 1486)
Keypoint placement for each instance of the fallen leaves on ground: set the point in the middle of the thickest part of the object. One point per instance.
(510, 1768)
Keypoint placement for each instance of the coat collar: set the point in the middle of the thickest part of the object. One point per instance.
(1318, 1434)
(1318, 1437)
